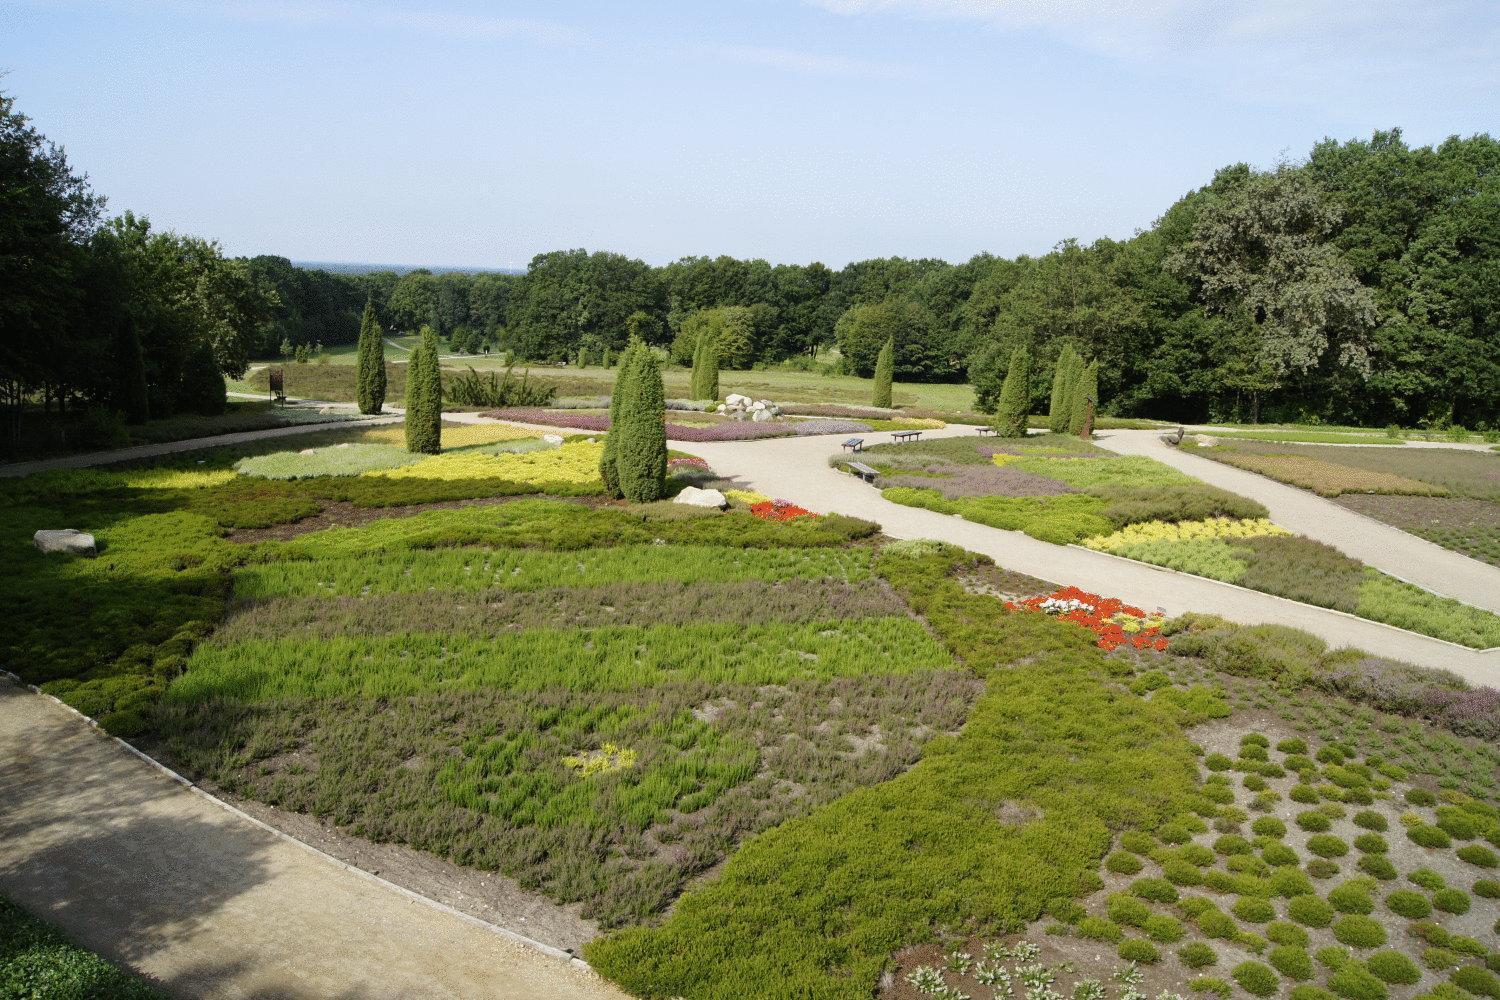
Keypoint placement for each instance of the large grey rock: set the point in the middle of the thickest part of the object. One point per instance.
(762, 415)
(695, 497)
(80, 543)
(735, 399)
(555, 440)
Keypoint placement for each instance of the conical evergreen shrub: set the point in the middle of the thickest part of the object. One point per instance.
(609, 470)
(710, 387)
(424, 397)
(641, 429)
(1085, 401)
(1015, 396)
(1058, 411)
(885, 369)
(370, 378)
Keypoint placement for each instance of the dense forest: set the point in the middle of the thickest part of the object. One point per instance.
(1361, 284)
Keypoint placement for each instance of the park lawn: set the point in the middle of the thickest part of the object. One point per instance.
(36, 961)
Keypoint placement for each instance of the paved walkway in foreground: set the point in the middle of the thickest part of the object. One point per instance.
(1392, 550)
(153, 875)
(797, 469)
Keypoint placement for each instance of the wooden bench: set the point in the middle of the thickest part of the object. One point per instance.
(854, 444)
(1174, 438)
(863, 471)
(901, 437)
(986, 429)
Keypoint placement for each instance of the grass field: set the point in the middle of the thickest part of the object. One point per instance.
(38, 963)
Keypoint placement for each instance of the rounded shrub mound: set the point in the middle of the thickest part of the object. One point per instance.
(1480, 982)
(1408, 904)
(1427, 879)
(1393, 967)
(1100, 929)
(1123, 863)
(1286, 932)
(1376, 866)
(1164, 928)
(1354, 982)
(1232, 843)
(1322, 868)
(1479, 856)
(1157, 890)
(1358, 931)
(1310, 993)
(1326, 845)
(1138, 950)
(1253, 910)
(1314, 821)
(1352, 897)
(1487, 888)
(1279, 855)
(1371, 843)
(1420, 797)
(1291, 961)
(1197, 955)
(1368, 819)
(1454, 901)
(1137, 842)
(1127, 910)
(1310, 911)
(1292, 744)
(1428, 836)
(1268, 826)
(1256, 978)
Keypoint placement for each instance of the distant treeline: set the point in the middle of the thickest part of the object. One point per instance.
(1360, 285)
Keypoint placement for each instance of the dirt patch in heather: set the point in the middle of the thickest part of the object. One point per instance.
(1463, 524)
(954, 481)
(342, 514)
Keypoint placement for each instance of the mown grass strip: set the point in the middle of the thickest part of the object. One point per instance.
(37, 961)
(473, 569)
(571, 659)
(502, 612)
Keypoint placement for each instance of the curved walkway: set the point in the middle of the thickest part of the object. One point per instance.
(206, 902)
(797, 469)
(1388, 549)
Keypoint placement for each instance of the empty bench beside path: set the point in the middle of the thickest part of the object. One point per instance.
(901, 437)
(863, 471)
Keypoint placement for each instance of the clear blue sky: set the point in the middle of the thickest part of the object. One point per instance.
(437, 132)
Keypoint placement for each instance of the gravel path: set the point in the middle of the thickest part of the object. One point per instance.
(1389, 549)
(151, 874)
(797, 469)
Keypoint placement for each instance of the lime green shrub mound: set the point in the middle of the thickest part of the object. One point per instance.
(331, 460)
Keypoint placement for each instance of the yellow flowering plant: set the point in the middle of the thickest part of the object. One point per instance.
(573, 464)
(1211, 529)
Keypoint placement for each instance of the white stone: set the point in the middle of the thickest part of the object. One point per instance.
(695, 497)
(80, 543)
(762, 415)
(553, 439)
(735, 399)
(758, 405)
(1205, 440)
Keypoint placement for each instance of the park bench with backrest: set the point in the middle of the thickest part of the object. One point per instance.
(854, 444)
(863, 471)
(1174, 438)
(901, 437)
(987, 430)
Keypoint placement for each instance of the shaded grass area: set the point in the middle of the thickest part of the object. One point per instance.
(37, 961)
(987, 828)
(501, 612)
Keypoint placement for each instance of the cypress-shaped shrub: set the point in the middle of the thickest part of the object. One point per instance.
(641, 452)
(710, 389)
(885, 371)
(1015, 396)
(370, 376)
(424, 397)
(607, 360)
(695, 380)
(1084, 400)
(1058, 413)
(609, 471)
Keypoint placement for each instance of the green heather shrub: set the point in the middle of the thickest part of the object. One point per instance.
(1213, 986)
(1279, 855)
(1353, 896)
(1454, 901)
(1197, 955)
(1441, 959)
(1289, 882)
(1123, 863)
(1326, 845)
(1218, 762)
(1358, 931)
(1393, 967)
(1322, 868)
(1314, 821)
(1100, 929)
(1164, 928)
(1194, 906)
(1248, 864)
(1256, 978)
(1354, 982)
(1310, 911)
(1427, 879)
(1255, 740)
(1303, 793)
(1480, 982)
(1216, 923)
(1333, 957)
(1067, 910)
(1408, 904)
(1268, 826)
(1291, 961)
(1254, 783)
(1428, 836)
(1138, 950)
(1156, 890)
(1371, 820)
(1253, 910)
(1137, 842)
(1371, 843)
(1378, 867)
(1305, 992)
(1292, 745)
(1479, 855)
(1179, 872)
(1487, 888)
(1230, 844)
(1127, 910)
(1196, 854)
(1286, 932)
(1420, 797)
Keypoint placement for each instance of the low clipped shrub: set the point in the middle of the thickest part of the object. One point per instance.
(1289, 882)
(1253, 910)
(1487, 888)
(1197, 955)
(1292, 744)
(1368, 819)
(1157, 890)
(1268, 826)
(1304, 793)
(1100, 929)
(1371, 843)
(1326, 845)
(1480, 982)
(1286, 932)
(1216, 923)
(1138, 950)
(1428, 836)
(1358, 931)
(1310, 993)
(1291, 961)
(1479, 856)
(1454, 901)
(1233, 843)
(1310, 911)
(1196, 854)
(1255, 783)
(1408, 904)
(1378, 867)
(1248, 864)
(1279, 855)
(1333, 957)
(1420, 797)
(1441, 959)
(1352, 897)
(1256, 978)
(1127, 910)
(1322, 868)
(1123, 863)
(1393, 967)
(1459, 823)
(1137, 842)
(1354, 982)
(1314, 821)
(1213, 986)
(1179, 872)
(1164, 928)
(1427, 879)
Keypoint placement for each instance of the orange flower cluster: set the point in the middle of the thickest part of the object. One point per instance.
(1112, 620)
(779, 510)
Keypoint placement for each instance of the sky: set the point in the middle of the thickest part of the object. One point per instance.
(437, 132)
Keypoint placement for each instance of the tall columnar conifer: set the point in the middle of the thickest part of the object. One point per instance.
(1015, 396)
(710, 386)
(424, 397)
(641, 452)
(607, 360)
(370, 378)
(695, 381)
(609, 470)
(1058, 412)
(885, 369)
(1085, 401)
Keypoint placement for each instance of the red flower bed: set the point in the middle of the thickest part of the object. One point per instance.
(779, 510)
(687, 461)
(1112, 620)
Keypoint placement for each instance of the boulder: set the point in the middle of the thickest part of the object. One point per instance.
(761, 415)
(553, 439)
(1205, 440)
(735, 399)
(695, 497)
(80, 543)
(758, 405)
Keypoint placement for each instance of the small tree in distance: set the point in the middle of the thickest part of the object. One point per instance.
(424, 397)
(370, 379)
(1085, 401)
(1015, 396)
(885, 367)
